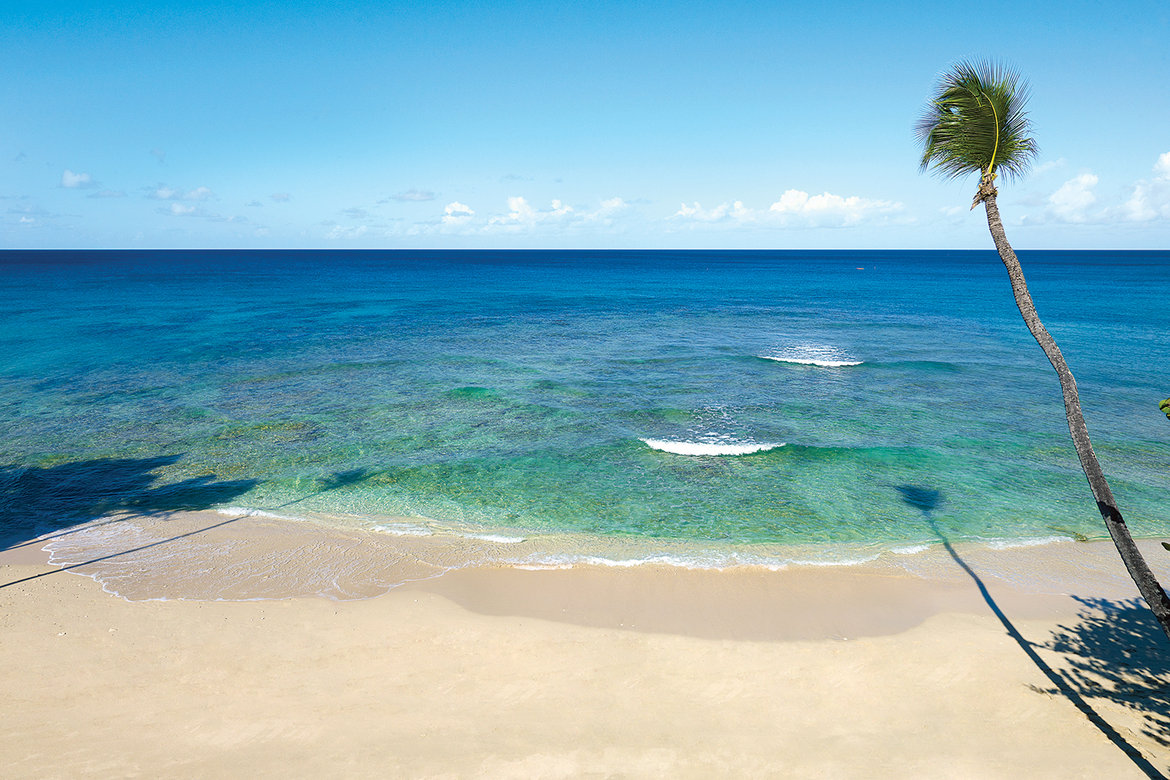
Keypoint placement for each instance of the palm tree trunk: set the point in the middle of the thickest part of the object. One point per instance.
(1146, 582)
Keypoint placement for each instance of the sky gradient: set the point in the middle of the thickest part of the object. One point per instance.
(593, 125)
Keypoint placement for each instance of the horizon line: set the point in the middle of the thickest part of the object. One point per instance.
(562, 249)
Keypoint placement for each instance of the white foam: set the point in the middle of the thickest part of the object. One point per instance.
(239, 511)
(835, 561)
(403, 529)
(913, 549)
(662, 560)
(814, 361)
(1008, 544)
(497, 538)
(701, 562)
(708, 448)
(677, 561)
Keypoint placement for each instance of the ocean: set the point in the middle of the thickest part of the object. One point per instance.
(727, 406)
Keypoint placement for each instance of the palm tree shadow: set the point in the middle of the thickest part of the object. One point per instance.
(338, 480)
(924, 499)
(36, 501)
(344, 479)
(40, 504)
(1114, 654)
(43, 503)
(1092, 640)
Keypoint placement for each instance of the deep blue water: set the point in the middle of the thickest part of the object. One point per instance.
(513, 392)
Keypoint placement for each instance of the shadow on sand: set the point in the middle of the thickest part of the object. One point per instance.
(39, 504)
(1115, 653)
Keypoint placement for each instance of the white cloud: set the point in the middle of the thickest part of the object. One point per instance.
(178, 208)
(280, 197)
(456, 213)
(734, 212)
(792, 202)
(163, 192)
(522, 217)
(559, 216)
(795, 208)
(1139, 207)
(830, 209)
(72, 180)
(1151, 198)
(520, 213)
(1162, 166)
(1077, 202)
(1071, 202)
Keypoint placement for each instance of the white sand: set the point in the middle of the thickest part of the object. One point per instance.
(653, 672)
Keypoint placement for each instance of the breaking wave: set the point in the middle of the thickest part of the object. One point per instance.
(814, 361)
(708, 448)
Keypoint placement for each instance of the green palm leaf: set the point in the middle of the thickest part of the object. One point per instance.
(976, 123)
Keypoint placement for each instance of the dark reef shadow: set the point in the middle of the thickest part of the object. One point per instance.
(1093, 649)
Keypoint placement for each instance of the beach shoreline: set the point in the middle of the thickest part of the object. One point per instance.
(239, 554)
(643, 671)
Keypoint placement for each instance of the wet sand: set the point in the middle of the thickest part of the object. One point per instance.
(649, 671)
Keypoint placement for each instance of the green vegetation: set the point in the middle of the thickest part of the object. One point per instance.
(976, 123)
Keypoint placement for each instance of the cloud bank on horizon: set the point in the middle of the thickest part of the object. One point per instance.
(532, 125)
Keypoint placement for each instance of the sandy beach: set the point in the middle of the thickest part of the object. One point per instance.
(645, 671)
(592, 390)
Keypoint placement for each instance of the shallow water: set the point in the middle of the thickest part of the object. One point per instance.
(730, 400)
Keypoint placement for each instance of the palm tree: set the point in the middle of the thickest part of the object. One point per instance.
(976, 123)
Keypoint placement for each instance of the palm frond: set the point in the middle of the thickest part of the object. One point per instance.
(976, 122)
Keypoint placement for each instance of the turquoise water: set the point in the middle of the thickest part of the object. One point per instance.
(515, 392)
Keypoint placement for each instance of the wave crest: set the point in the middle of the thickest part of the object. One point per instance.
(708, 448)
(814, 361)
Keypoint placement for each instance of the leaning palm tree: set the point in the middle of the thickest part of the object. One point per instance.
(975, 123)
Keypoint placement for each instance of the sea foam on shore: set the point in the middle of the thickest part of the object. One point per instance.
(253, 554)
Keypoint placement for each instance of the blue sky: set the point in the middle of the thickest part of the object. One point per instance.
(531, 124)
